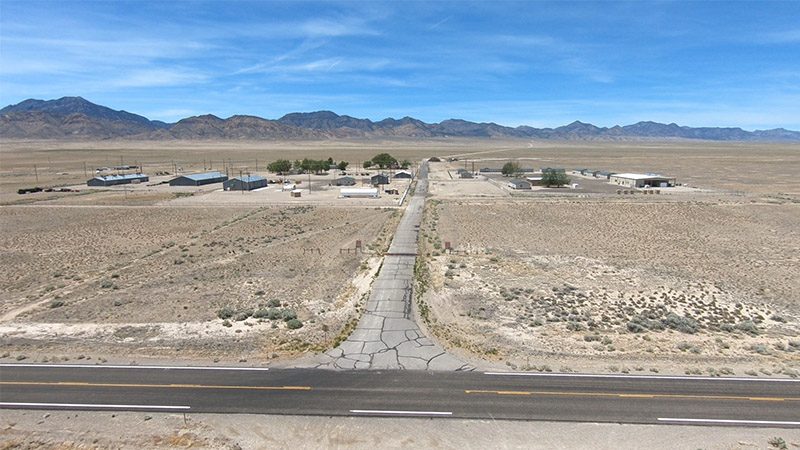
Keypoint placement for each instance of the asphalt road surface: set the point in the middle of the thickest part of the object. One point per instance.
(551, 397)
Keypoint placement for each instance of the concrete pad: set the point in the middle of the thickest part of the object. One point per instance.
(410, 348)
(370, 321)
(373, 347)
(445, 362)
(391, 306)
(399, 324)
(393, 338)
(412, 363)
(365, 335)
(349, 347)
(385, 360)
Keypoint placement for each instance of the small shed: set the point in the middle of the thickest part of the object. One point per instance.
(379, 179)
(247, 183)
(111, 180)
(344, 181)
(404, 174)
(199, 179)
(296, 193)
(519, 184)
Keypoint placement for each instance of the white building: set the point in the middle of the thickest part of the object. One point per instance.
(358, 193)
(638, 180)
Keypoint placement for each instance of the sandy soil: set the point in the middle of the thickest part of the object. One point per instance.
(618, 285)
(152, 280)
(79, 430)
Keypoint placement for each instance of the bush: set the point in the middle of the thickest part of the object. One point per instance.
(106, 284)
(226, 312)
(288, 315)
(274, 303)
(748, 326)
(681, 323)
(56, 303)
(778, 442)
(294, 324)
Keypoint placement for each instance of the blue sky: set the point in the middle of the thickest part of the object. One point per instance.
(514, 63)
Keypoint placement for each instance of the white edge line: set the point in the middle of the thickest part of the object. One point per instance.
(642, 377)
(755, 422)
(409, 413)
(101, 366)
(90, 405)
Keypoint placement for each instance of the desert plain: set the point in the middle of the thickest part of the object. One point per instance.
(700, 279)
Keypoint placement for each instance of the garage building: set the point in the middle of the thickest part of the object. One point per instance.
(247, 183)
(198, 179)
(638, 180)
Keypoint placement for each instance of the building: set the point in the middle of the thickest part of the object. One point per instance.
(247, 183)
(198, 179)
(379, 179)
(465, 174)
(358, 193)
(344, 181)
(638, 180)
(111, 180)
(534, 181)
(296, 193)
(553, 169)
(519, 184)
(604, 174)
(403, 174)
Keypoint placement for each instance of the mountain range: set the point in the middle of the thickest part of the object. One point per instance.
(77, 118)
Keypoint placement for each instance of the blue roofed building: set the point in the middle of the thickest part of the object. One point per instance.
(247, 183)
(111, 180)
(198, 179)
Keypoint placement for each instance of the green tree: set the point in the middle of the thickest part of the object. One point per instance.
(384, 160)
(368, 163)
(552, 178)
(280, 166)
(405, 164)
(510, 168)
(297, 165)
(342, 165)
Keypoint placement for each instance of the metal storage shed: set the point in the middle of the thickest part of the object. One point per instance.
(247, 183)
(198, 179)
(111, 180)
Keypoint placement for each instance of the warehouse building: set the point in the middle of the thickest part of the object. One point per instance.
(247, 183)
(403, 174)
(638, 180)
(198, 179)
(344, 181)
(111, 180)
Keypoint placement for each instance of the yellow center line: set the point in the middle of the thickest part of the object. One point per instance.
(167, 386)
(641, 395)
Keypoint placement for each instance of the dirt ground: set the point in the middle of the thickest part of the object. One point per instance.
(115, 282)
(24, 430)
(677, 285)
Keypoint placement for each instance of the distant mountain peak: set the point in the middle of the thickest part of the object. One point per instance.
(76, 117)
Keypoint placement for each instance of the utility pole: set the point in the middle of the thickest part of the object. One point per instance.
(309, 182)
(84, 170)
(241, 180)
(36, 173)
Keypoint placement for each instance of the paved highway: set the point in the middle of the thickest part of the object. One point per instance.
(552, 397)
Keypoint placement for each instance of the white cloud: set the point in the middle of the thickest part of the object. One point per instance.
(159, 77)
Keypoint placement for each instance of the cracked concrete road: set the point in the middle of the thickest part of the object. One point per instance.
(386, 336)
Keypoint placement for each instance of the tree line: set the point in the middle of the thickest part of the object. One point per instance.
(318, 166)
